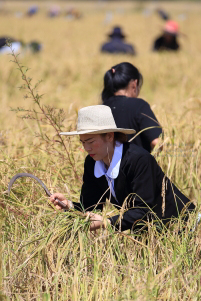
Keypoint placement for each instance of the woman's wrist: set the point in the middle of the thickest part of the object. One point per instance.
(70, 204)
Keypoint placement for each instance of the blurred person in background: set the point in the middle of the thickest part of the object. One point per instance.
(73, 13)
(54, 11)
(122, 84)
(123, 173)
(32, 10)
(168, 40)
(116, 43)
(18, 46)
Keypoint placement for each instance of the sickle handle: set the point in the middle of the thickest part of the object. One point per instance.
(60, 203)
(23, 174)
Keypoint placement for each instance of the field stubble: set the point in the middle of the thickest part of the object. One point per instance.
(51, 256)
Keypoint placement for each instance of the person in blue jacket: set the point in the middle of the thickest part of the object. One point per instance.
(33, 10)
(116, 43)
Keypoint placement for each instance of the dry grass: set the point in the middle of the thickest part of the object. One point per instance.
(49, 256)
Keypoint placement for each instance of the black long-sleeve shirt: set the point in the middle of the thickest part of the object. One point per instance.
(141, 188)
(135, 113)
(161, 44)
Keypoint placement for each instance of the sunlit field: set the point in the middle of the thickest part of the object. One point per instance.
(47, 255)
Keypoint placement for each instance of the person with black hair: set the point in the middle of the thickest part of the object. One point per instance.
(122, 85)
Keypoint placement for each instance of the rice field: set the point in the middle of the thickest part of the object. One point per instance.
(46, 255)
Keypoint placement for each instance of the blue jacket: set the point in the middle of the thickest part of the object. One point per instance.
(117, 45)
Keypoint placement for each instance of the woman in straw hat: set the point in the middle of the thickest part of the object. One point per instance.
(122, 172)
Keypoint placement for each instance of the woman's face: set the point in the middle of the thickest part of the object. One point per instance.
(99, 147)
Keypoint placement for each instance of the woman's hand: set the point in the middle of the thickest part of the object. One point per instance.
(60, 197)
(97, 221)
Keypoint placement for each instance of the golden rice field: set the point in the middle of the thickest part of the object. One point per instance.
(46, 255)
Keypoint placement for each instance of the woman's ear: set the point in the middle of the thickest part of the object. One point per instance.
(133, 88)
(134, 85)
(110, 137)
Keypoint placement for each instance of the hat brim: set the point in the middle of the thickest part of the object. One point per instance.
(120, 130)
(112, 35)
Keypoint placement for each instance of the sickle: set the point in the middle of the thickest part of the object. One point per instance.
(23, 174)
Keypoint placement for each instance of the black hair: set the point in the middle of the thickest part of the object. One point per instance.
(118, 77)
(118, 137)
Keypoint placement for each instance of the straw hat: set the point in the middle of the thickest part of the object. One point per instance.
(96, 120)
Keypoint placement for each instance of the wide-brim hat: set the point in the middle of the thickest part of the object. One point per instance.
(117, 32)
(96, 120)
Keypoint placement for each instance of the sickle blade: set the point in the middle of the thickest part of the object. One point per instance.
(23, 174)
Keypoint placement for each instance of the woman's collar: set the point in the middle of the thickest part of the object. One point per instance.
(113, 170)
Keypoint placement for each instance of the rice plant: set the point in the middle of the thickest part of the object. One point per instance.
(49, 255)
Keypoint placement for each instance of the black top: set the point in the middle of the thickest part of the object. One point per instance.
(141, 187)
(117, 45)
(135, 113)
(161, 44)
